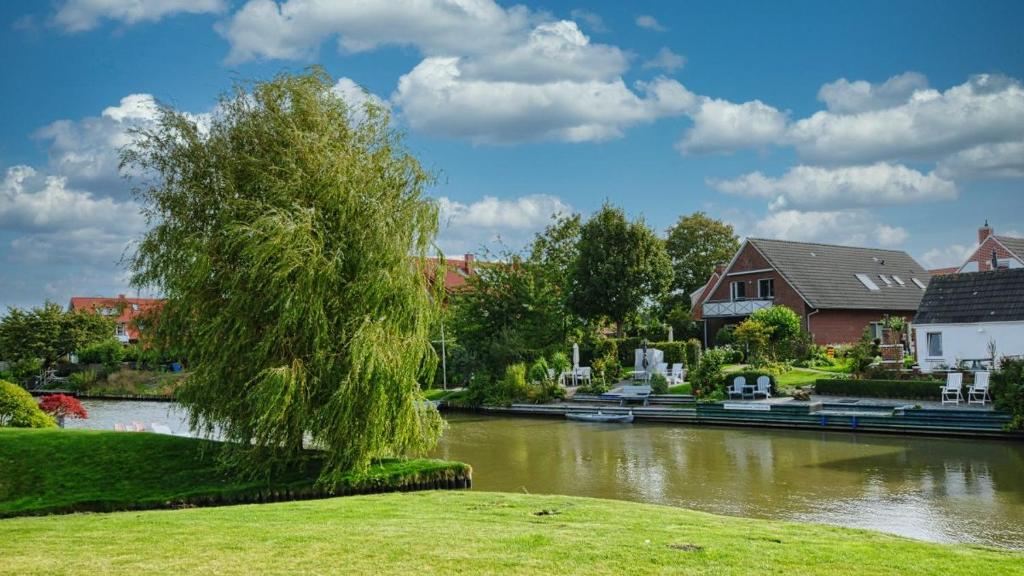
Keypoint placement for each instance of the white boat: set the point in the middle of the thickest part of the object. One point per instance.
(600, 417)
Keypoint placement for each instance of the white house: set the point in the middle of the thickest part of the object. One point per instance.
(963, 318)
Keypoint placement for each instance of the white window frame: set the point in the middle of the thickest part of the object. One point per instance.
(885, 279)
(928, 344)
(877, 330)
(899, 280)
(761, 295)
(121, 329)
(733, 291)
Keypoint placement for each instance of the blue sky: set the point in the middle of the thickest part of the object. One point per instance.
(896, 124)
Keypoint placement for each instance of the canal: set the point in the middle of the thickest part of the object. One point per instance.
(937, 489)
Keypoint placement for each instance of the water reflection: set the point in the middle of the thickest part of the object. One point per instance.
(938, 489)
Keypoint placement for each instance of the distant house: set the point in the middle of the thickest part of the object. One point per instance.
(963, 317)
(456, 272)
(124, 311)
(994, 252)
(836, 290)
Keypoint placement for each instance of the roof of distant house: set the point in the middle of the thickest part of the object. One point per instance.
(830, 276)
(944, 271)
(94, 302)
(995, 296)
(1014, 245)
(456, 273)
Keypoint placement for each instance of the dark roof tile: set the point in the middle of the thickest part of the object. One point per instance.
(996, 296)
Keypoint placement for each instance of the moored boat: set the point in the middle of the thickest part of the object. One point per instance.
(600, 417)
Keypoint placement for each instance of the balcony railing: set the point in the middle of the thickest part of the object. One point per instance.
(745, 307)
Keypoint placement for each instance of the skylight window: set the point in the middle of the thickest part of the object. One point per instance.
(867, 282)
(918, 282)
(885, 279)
(899, 280)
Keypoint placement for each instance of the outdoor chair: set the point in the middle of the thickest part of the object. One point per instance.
(678, 375)
(951, 391)
(764, 387)
(662, 368)
(739, 387)
(583, 374)
(978, 392)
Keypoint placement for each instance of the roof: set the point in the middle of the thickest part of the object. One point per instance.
(123, 310)
(1014, 245)
(825, 275)
(456, 272)
(943, 271)
(995, 296)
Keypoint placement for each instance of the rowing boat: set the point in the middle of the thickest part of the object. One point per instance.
(600, 417)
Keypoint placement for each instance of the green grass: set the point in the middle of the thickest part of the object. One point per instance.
(684, 388)
(798, 377)
(47, 471)
(467, 533)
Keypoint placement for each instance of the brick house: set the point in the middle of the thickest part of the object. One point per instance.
(1004, 252)
(125, 312)
(836, 290)
(456, 273)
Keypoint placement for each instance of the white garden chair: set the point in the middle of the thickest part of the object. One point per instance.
(739, 387)
(583, 374)
(764, 387)
(678, 375)
(978, 392)
(951, 391)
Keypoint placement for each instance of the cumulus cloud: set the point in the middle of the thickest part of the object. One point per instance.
(723, 126)
(845, 97)
(591, 20)
(1002, 160)
(81, 15)
(819, 187)
(952, 255)
(848, 227)
(667, 60)
(436, 97)
(649, 22)
(468, 227)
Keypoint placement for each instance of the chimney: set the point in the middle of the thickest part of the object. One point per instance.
(984, 232)
(469, 263)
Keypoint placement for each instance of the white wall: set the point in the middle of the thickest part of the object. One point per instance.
(963, 341)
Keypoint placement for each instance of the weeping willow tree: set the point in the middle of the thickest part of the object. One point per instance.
(286, 233)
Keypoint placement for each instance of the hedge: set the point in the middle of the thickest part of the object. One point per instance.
(912, 389)
(675, 351)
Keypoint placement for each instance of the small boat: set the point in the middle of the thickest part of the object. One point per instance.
(600, 417)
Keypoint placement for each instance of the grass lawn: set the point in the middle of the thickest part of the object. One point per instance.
(802, 377)
(683, 388)
(43, 471)
(466, 532)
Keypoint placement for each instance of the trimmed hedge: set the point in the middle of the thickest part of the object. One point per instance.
(751, 379)
(911, 389)
(675, 351)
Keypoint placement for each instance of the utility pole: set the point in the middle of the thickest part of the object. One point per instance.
(444, 362)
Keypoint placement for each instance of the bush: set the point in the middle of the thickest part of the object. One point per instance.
(539, 371)
(560, 362)
(675, 352)
(708, 376)
(596, 386)
(659, 384)
(81, 381)
(725, 335)
(26, 368)
(692, 352)
(1008, 390)
(18, 409)
(110, 353)
(60, 406)
(911, 389)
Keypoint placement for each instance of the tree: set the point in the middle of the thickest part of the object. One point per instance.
(18, 409)
(288, 236)
(783, 330)
(696, 243)
(49, 333)
(60, 407)
(620, 264)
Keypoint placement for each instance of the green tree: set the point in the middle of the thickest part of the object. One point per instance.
(620, 265)
(783, 329)
(289, 237)
(696, 243)
(49, 333)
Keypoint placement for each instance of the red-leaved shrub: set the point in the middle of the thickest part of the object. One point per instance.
(61, 406)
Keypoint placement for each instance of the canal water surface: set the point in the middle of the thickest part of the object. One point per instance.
(938, 489)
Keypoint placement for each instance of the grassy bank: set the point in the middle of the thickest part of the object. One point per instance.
(480, 533)
(52, 471)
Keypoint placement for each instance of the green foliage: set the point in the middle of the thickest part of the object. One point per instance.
(863, 353)
(49, 333)
(693, 351)
(725, 335)
(81, 381)
(1007, 389)
(18, 409)
(620, 264)
(108, 352)
(754, 336)
(659, 384)
(708, 376)
(26, 368)
(289, 238)
(911, 389)
(539, 370)
(771, 334)
(675, 352)
(696, 243)
(560, 362)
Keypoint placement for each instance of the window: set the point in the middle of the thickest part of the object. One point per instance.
(918, 282)
(885, 279)
(899, 280)
(867, 282)
(766, 288)
(739, 290)
(935, 344)
(1003, 264)
(876, 329)
(120, 329)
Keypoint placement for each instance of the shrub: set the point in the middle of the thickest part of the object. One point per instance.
(725, 335)
(923, 389)
(108, 352)
(596, 386)
(659, 384)
(19, 410)
(81, 381)
(675, 352)
(708, 376)
(60, 406)
(1008, 390)
(560, 362)
(26, 368)
(692, 352)
(539, 370)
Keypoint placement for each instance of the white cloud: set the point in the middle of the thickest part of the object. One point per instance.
(722, 126)
(357, 97)
(818, 187)
(987, 109)
(845, 97)
(468, 227)
(1002, 160)
(952, 255)
(591, 20)
(848, 227)
(437, 98)
(81, 15)
(666, 60)
(649, 22)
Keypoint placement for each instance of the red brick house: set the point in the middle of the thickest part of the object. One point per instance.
(125, 312)
(456, 272)
(1004, 251)
(836, 290)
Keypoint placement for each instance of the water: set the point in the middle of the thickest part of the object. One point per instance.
(937, 489)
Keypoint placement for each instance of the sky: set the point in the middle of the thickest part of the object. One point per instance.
(889, 124)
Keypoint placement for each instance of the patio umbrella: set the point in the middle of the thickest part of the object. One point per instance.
(575, 361)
